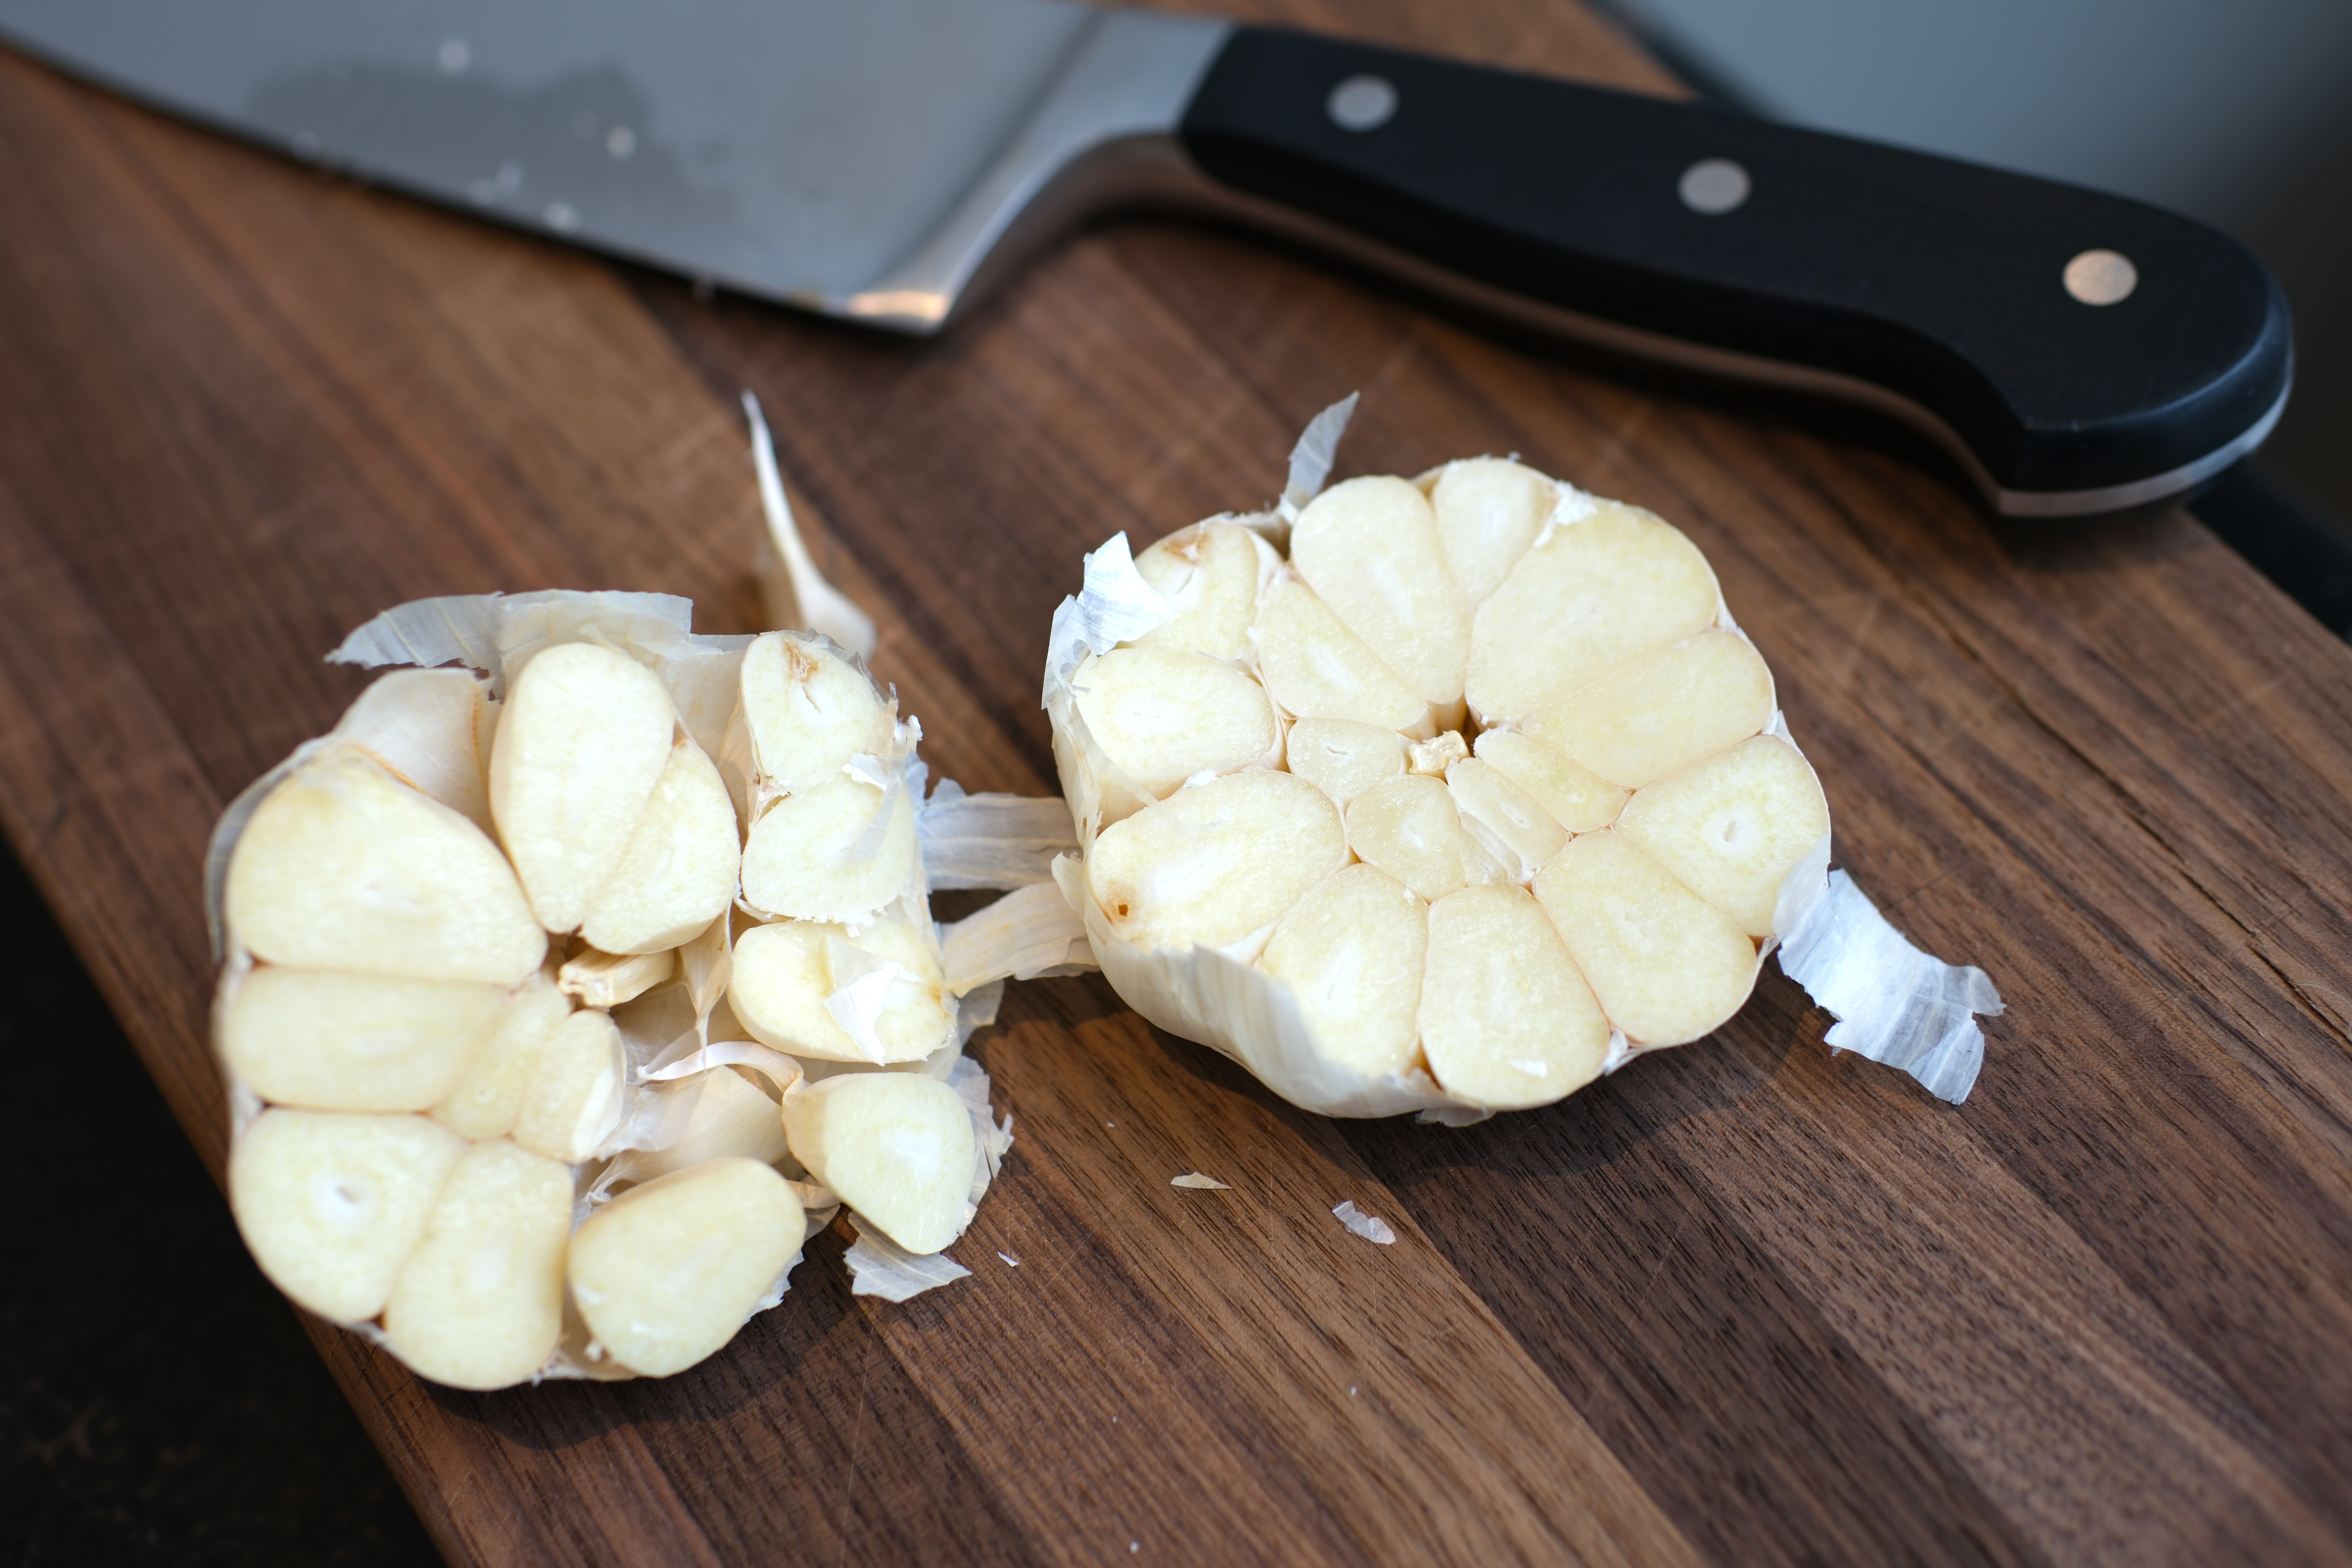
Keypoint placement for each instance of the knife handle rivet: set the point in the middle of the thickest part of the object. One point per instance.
(1714, 186)
(1362, 103)
(2102, 276)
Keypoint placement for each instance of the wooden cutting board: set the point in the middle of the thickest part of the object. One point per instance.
(1740, 1303)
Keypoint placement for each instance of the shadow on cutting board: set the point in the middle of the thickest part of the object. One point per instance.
(158, 1401)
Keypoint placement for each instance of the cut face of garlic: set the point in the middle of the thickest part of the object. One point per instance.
(899, 1148)
(1163, 715)
(1533, 813)
(836, 851)
(814, 990)
(480, 1303)
(679, 871)
(572, 1098)
(487, 1098)
(586, 735)
(810, 711)
(328, 1040)
(343, 868)
(667, 1272)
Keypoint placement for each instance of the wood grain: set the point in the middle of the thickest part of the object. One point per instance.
(1744, 1302)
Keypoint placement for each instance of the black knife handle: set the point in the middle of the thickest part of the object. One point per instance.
(1942, 282)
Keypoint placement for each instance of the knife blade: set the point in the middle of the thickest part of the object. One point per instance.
(889, 161)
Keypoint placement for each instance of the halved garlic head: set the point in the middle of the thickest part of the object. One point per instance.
(897, 1147)
(666, 1273)
(1526, 821)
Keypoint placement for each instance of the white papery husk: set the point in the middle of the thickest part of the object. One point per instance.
(1896, 1004)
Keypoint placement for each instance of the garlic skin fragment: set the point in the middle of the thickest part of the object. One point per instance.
(899, 1148)
(332, 1202)
(586, 735)
(667, 1272)
(341, 867)
(329, 1041)
(480, 1303)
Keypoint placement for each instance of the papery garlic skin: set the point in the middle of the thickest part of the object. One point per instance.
(1569, 824)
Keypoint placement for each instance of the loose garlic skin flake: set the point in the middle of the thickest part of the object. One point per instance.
(1561, 829)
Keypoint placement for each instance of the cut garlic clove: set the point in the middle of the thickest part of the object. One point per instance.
(1576, 797)
(897, 1147)
(666, 1273)
(1208, 575)
(820, 855)
(1342, 758)
(343, 868)
(794, 989)
(1370, 548)
(1488, 510)
(608, 979)
(1408, 827)
(1486, 795)
(1216, 861)
(1615, 583)
(1731, 828)
(480, 1303)
(1351, 951)
(586, 734)
(1659, 712)
(678, 872)
(486, 1099)
(329, 1040)
(1666, 965)
(1506, 1020)
(810, 711)
(573, 1101)
(1317, 668)
(1162, 716)
(331, 1203)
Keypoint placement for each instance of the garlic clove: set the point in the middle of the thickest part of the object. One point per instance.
(1370, 548)
(667, 1272)
(1341, 757)
(1731, 828)
(1506, 1018)
(586, 734)
(1162, 716)
(897, 1147)
(1351, 951)
(480, 1303)
(810, 711)
(1315, 667)
(1215, 862)
(1659, 712)
(679, 869)
(330, 1040)
(488, 1096)
(1666, 965)
(1208, 575)
(341, 867)
(1488, 510)
(1575, 796)
(820, 855)
(789, 980)
(1486, 795)
(1408, 827)
(332, 1202)
(1615, 583)
(607, 980)
(573, 1101)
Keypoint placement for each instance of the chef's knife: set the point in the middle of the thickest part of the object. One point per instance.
(887, 160)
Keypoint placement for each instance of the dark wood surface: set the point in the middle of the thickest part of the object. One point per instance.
(1741, 1303)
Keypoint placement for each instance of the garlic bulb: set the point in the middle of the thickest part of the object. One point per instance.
(478, 941)
(1452, 795)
